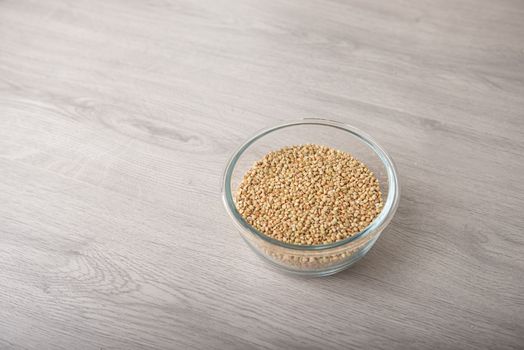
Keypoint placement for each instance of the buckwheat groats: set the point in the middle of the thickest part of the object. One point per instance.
(309, 195)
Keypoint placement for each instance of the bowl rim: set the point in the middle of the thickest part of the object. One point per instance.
(380, 222)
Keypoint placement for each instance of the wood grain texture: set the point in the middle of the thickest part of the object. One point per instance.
(117, 118)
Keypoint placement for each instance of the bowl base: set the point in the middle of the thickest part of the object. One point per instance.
(316, 273)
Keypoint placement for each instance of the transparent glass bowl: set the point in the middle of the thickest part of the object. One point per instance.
(317, 260)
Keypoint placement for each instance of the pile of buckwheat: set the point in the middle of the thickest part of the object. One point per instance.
(309, 195)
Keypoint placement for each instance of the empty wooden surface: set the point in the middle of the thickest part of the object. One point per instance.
(117, 118)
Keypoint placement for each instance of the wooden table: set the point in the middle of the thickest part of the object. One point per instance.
(116, 121)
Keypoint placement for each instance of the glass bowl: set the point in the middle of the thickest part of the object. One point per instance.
(315, 260)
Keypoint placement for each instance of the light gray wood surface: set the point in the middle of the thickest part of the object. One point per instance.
(117, 118)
